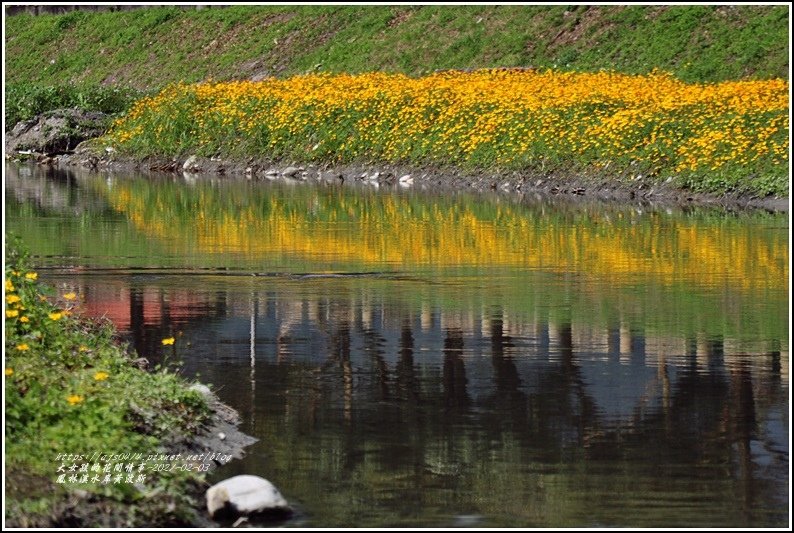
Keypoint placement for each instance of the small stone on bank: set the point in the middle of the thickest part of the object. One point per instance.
(290, 172)
(190, 163)
(201, 388)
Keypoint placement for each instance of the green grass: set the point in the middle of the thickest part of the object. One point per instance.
(149, 48)
(70, 387)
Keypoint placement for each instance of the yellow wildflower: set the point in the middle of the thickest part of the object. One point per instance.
(24, 319)
(33, 276)
(55, 316)
(11, 313)
(101, 376)
(12, 298)
(74, 399)
(9, 371)
(168, 341)
(23, 347)
(69, 296)
(9, 286)
(83, 348)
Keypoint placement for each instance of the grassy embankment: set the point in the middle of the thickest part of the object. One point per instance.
(706, 137)
(71, 388)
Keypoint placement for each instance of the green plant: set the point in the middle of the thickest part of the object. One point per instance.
(70, 387)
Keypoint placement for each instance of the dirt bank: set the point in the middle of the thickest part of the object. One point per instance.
(574, 185)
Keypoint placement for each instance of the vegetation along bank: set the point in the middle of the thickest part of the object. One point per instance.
(74, 398)
(716, 137)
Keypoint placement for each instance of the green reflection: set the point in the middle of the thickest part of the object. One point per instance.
(703, 272)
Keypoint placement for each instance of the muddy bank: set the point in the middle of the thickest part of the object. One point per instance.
(624, 188)
(621, 188)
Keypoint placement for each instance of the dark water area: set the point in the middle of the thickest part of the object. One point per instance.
(408, 359)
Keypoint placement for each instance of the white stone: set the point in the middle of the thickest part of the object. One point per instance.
(245, 495)
(201, 388)
(290, 172)
(190, 163)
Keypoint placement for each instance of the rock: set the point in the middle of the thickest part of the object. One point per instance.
(201, 388)
(56, 132)
(406, 180)
(191, 164)
(245, 496)
(291, 172)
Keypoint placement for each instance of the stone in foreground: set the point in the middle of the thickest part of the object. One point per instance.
(246, 496)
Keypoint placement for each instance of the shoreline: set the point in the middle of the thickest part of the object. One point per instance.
(574, 186)
(73, 384)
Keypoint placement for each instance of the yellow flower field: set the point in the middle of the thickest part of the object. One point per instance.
(712, 136)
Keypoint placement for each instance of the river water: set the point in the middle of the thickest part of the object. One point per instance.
(411, 359)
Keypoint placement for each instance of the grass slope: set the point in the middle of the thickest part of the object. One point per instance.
(149, 48)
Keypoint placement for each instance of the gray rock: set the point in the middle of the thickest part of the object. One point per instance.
(56, 132)
(291, 172)
(245, 496)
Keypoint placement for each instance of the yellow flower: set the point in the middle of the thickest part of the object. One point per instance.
(69, 296)
(83, 348)
(12, 298)
(74, 399)
(11, 313)
(24, 319)
(23, 347)
(55, 316)
(168, 341)
(32, 276)
(101, 376)
(9, 371)
(9, 286)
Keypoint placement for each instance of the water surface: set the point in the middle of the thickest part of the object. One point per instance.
(411, 359)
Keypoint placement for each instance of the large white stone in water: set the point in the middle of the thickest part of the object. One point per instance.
(245, 495)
